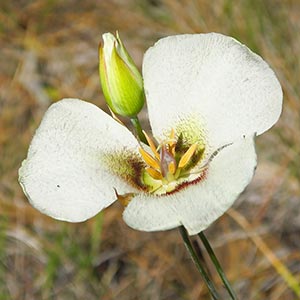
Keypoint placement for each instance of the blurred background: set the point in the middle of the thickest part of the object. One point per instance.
(48, 50)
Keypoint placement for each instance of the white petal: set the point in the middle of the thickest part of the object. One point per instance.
(198, 205)
(231, 90)
(64, 175)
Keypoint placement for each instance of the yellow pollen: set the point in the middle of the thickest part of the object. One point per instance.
(187, 156)
(151, 144)
(154, 173)
(149, 159)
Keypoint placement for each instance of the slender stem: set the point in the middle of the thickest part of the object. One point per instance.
(137, 125)
(217, 265)
(199, 253)
(196, 260)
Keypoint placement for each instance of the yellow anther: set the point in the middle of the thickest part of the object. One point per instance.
(172, 143)
(187, 156)
(151, 144)
(172, 134)
(172, 149)
(154, 173)
(149, 159)
(172, 167)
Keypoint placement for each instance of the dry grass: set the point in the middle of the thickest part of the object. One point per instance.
(49, 51)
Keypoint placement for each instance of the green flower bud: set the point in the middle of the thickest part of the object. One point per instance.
(122, 83)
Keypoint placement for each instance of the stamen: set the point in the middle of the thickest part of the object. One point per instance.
(151, 144)
(187, 156)
(149, 159)
(154, 173)
(172, 143)
(172, 134)
(172, 167)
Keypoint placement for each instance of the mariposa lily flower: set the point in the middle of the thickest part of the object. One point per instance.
(208, 96)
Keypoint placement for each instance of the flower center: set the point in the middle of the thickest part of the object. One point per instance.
(170, 164)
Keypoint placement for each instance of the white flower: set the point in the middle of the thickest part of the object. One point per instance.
(207, 96)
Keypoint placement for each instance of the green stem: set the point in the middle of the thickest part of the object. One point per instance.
(137, 125)
(217, 265)
(196, 260)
